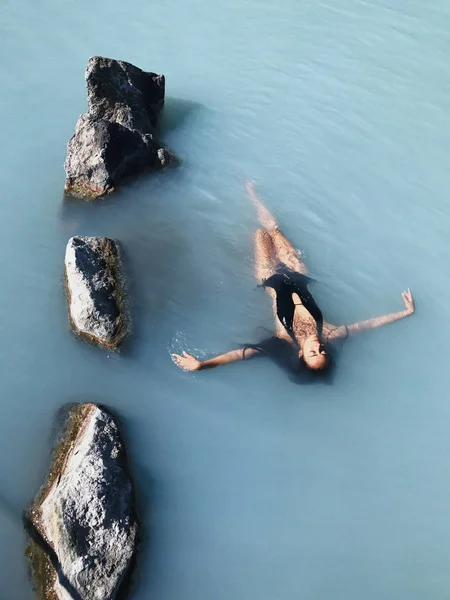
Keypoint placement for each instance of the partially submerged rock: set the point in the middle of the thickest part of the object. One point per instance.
(116, 137)
(82, 525)
(95, 290)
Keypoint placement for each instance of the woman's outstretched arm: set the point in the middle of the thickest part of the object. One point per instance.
(187, 362)
(386, 319)
(340, 333)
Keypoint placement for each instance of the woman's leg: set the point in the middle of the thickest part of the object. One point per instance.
(286, 253)
(265, 217)
(265, 259)
(265, 266)
(282, 248)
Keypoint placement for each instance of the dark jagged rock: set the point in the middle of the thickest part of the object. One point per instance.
(82, 525)
(95, 290)
(116, 137)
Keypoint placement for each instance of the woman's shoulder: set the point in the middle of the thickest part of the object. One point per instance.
(334, 334)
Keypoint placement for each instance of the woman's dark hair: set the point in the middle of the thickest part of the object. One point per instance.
(285, 355)
(305, 375)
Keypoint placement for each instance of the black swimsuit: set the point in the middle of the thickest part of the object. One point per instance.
(285, 283)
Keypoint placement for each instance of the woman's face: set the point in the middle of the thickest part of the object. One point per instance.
(314, 353)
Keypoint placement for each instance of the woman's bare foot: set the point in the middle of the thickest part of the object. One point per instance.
(266, 219)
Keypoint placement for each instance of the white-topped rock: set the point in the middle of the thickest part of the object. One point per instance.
(84, 521)
(95, 290)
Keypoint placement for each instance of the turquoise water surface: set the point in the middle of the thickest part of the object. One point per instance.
(249, 486)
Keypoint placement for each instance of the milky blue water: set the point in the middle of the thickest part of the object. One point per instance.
(249, 486)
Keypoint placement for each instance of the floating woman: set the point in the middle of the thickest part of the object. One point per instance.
(303, 340)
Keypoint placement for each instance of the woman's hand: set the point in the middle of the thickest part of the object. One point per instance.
(409, 302)
(187, 362)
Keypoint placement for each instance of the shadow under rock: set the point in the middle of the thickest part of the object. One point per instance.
(39, 540)
(176, 112)
(8, 510)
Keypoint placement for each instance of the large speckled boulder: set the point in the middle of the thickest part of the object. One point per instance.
(95, 290)
(82, 525)
(116, 137)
